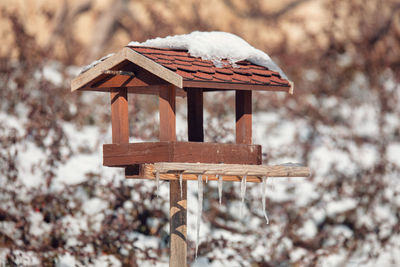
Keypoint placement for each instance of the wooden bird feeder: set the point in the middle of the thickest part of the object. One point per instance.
(169, 73)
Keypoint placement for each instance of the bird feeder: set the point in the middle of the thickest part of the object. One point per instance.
(170, 73)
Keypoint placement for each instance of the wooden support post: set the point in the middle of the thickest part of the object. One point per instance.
(119, 116)
(243, 117)
(177, 205)
(195, 115)
(167, 114)
(178, 224)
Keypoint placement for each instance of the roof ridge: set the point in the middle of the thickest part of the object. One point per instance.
(156, 48)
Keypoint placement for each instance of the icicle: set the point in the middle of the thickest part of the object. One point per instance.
(158, 182)
(219, 177)
(242, 192)
(206, 179)
(264, 186)
(180, 182)
(199, 209)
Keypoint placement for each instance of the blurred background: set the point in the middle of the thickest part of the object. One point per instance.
(59, 205)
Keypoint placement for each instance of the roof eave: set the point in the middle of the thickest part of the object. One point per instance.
(237, 86)
(126, 54)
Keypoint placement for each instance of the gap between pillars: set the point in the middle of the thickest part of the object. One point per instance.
(243, 107)
(195, 115)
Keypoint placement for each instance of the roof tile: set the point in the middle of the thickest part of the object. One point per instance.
(209, 70)
(185, 58)
(223, 77)
(170, 66)
(154, 57)
(185, 75)
(278, 80)
(260, 79)
(162, 56)
(204, 63)
(241, 78)
(188, 68)
(274, 73)
(224, 71)
(175, 52)
(144, 50)
(162, 61)
(203, 76)
(264, 72)
(183, 63)
(242, 71)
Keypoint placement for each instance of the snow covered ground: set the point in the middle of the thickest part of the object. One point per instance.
(346, 213)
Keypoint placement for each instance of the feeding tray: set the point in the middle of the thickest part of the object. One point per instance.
(210, 172)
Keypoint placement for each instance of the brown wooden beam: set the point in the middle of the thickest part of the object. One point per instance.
(150, 152)
(243, 117)
(284, 170)
(228, 172)
(146, 90)
(195, 115)
(167, 114)
(235, 86)
(119, 116)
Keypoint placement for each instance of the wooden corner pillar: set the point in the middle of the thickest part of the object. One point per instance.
(119, 116)
(177, 205)
(243, 117)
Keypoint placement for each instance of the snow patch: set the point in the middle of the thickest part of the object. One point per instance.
(74, 171)
(308, 230)
(94, 63)
(66, 260)
(51, 73)
(342, 206)
(393, 153)
(94, 205)
(25, 258)
(38, 226)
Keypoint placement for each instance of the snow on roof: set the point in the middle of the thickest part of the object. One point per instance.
(94, 63)
(200, 70)
(214, 46)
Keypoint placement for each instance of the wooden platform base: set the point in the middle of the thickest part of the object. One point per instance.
(122, 155)
(229, 172)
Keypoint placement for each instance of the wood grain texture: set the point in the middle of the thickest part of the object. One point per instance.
(229, 172)
(142, 77)
(233, 169)
(151, 152)
(153, 67)
(178, 227)
(119, 116)
(195, 115)
(243, 108)
(91, 74)
(146, 90)
(167, 114)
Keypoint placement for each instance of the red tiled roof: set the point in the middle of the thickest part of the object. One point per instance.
(199, 70)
